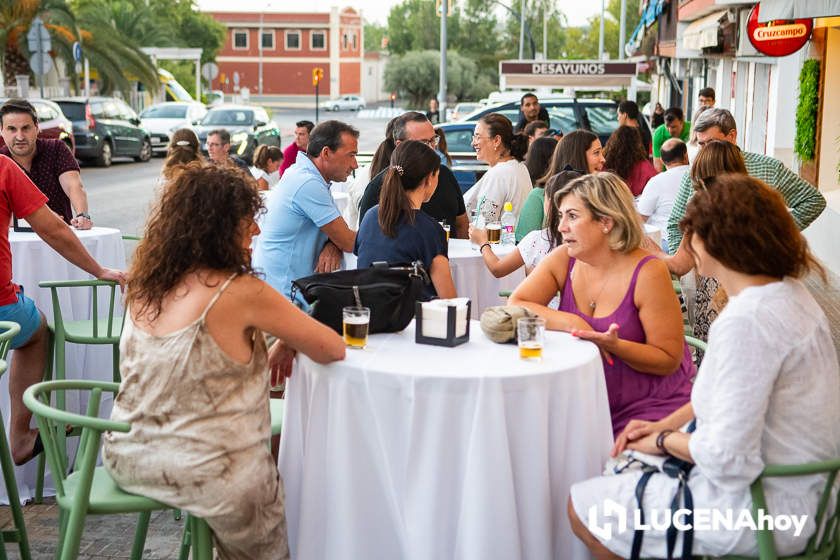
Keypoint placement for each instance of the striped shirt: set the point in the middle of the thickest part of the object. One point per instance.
(804, 200)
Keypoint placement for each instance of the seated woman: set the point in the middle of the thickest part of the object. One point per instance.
(267, 162)
(195, 369)
(396, 230)
(534, 246)
(768, 391)
(716, 158)
(507, 180)
(580, 151)
(615, 294)
(626, 156)
(183, 148)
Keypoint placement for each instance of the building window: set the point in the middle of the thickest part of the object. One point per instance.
(345, 41)
(268, 40)
(292, 40)
(240, 39)
(353, 36)
(318, 40)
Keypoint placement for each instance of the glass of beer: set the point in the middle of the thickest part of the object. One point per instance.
(530, 333)
(356, 321)
(445, 227)
(494, 232)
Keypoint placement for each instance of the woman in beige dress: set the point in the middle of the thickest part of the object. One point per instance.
(195, 368)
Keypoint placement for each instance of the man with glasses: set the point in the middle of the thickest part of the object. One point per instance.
(805, 201)
(218, 148)
(447, 204)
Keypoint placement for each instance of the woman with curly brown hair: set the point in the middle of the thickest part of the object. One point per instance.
(195, 368)
(626, 157)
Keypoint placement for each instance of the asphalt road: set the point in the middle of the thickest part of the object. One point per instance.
(119, 196)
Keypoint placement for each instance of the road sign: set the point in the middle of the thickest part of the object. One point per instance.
(38, 37)
(236, 78)
(41, 63)
(210, 71)
(317, 75)
(77, 52)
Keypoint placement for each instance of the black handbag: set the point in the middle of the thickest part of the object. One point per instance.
(388, 291)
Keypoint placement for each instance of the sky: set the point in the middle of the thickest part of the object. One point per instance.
(374, 10)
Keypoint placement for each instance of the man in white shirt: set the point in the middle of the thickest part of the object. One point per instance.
(656, 200)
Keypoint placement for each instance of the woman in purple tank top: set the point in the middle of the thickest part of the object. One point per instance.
(617, 295)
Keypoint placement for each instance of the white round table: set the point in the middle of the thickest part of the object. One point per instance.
(416, 452)
(34, 261)
(471, 276)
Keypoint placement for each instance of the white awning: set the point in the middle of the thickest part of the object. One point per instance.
(703, 33)
(794, 9)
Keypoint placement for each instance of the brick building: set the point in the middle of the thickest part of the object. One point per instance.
(292, 45)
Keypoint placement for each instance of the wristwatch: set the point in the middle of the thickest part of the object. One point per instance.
(83, 215)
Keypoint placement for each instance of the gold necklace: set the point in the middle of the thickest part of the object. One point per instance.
(593, 302)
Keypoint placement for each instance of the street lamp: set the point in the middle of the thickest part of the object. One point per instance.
(526, 26)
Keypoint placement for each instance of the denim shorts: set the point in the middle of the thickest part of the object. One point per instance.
(24, 313)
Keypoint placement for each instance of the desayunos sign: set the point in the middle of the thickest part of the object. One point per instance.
(778, 38)
(577, 68)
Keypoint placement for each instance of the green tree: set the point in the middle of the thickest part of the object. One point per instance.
(415, 75)
(582, 43)
(374, 34)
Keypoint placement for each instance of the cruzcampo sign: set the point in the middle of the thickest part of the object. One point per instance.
(778, 37)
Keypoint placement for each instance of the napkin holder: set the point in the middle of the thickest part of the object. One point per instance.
(451, 317)
(16, 225)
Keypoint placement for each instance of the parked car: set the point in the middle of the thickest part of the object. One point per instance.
(163, 119)
(248, 125)
(105, 128)
(565, 114)
(344, 103)
(461, 110)
(52, 124)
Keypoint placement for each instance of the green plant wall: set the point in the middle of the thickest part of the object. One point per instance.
(805, 142)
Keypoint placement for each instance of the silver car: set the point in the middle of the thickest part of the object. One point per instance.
(344, 103)
(162, 119)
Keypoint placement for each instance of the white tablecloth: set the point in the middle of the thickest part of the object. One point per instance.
(470, 274)
(34, 261)
(421, 452)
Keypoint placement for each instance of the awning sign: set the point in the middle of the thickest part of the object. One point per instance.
(778, 37)
(568, 68)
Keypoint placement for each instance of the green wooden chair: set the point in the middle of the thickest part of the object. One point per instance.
(18, 533)
(90, 489)
(823, 545)
(101, 329)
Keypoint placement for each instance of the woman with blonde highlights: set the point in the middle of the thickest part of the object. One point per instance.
(195, 368)
(768, 392)
(615, 294)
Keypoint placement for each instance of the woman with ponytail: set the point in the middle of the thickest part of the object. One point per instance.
(396, 230)
(183, 149)
(267, 162)
(508, 179)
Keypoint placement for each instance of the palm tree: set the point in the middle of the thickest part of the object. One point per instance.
(113, 55)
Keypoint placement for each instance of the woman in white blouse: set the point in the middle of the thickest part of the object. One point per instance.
(768, 391)
(536, 244)
(508, 179)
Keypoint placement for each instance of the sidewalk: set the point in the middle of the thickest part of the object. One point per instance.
(105, 536)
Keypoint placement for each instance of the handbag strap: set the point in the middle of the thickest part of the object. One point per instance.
(639, 534)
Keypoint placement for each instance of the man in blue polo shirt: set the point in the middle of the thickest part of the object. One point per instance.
(303, 231)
